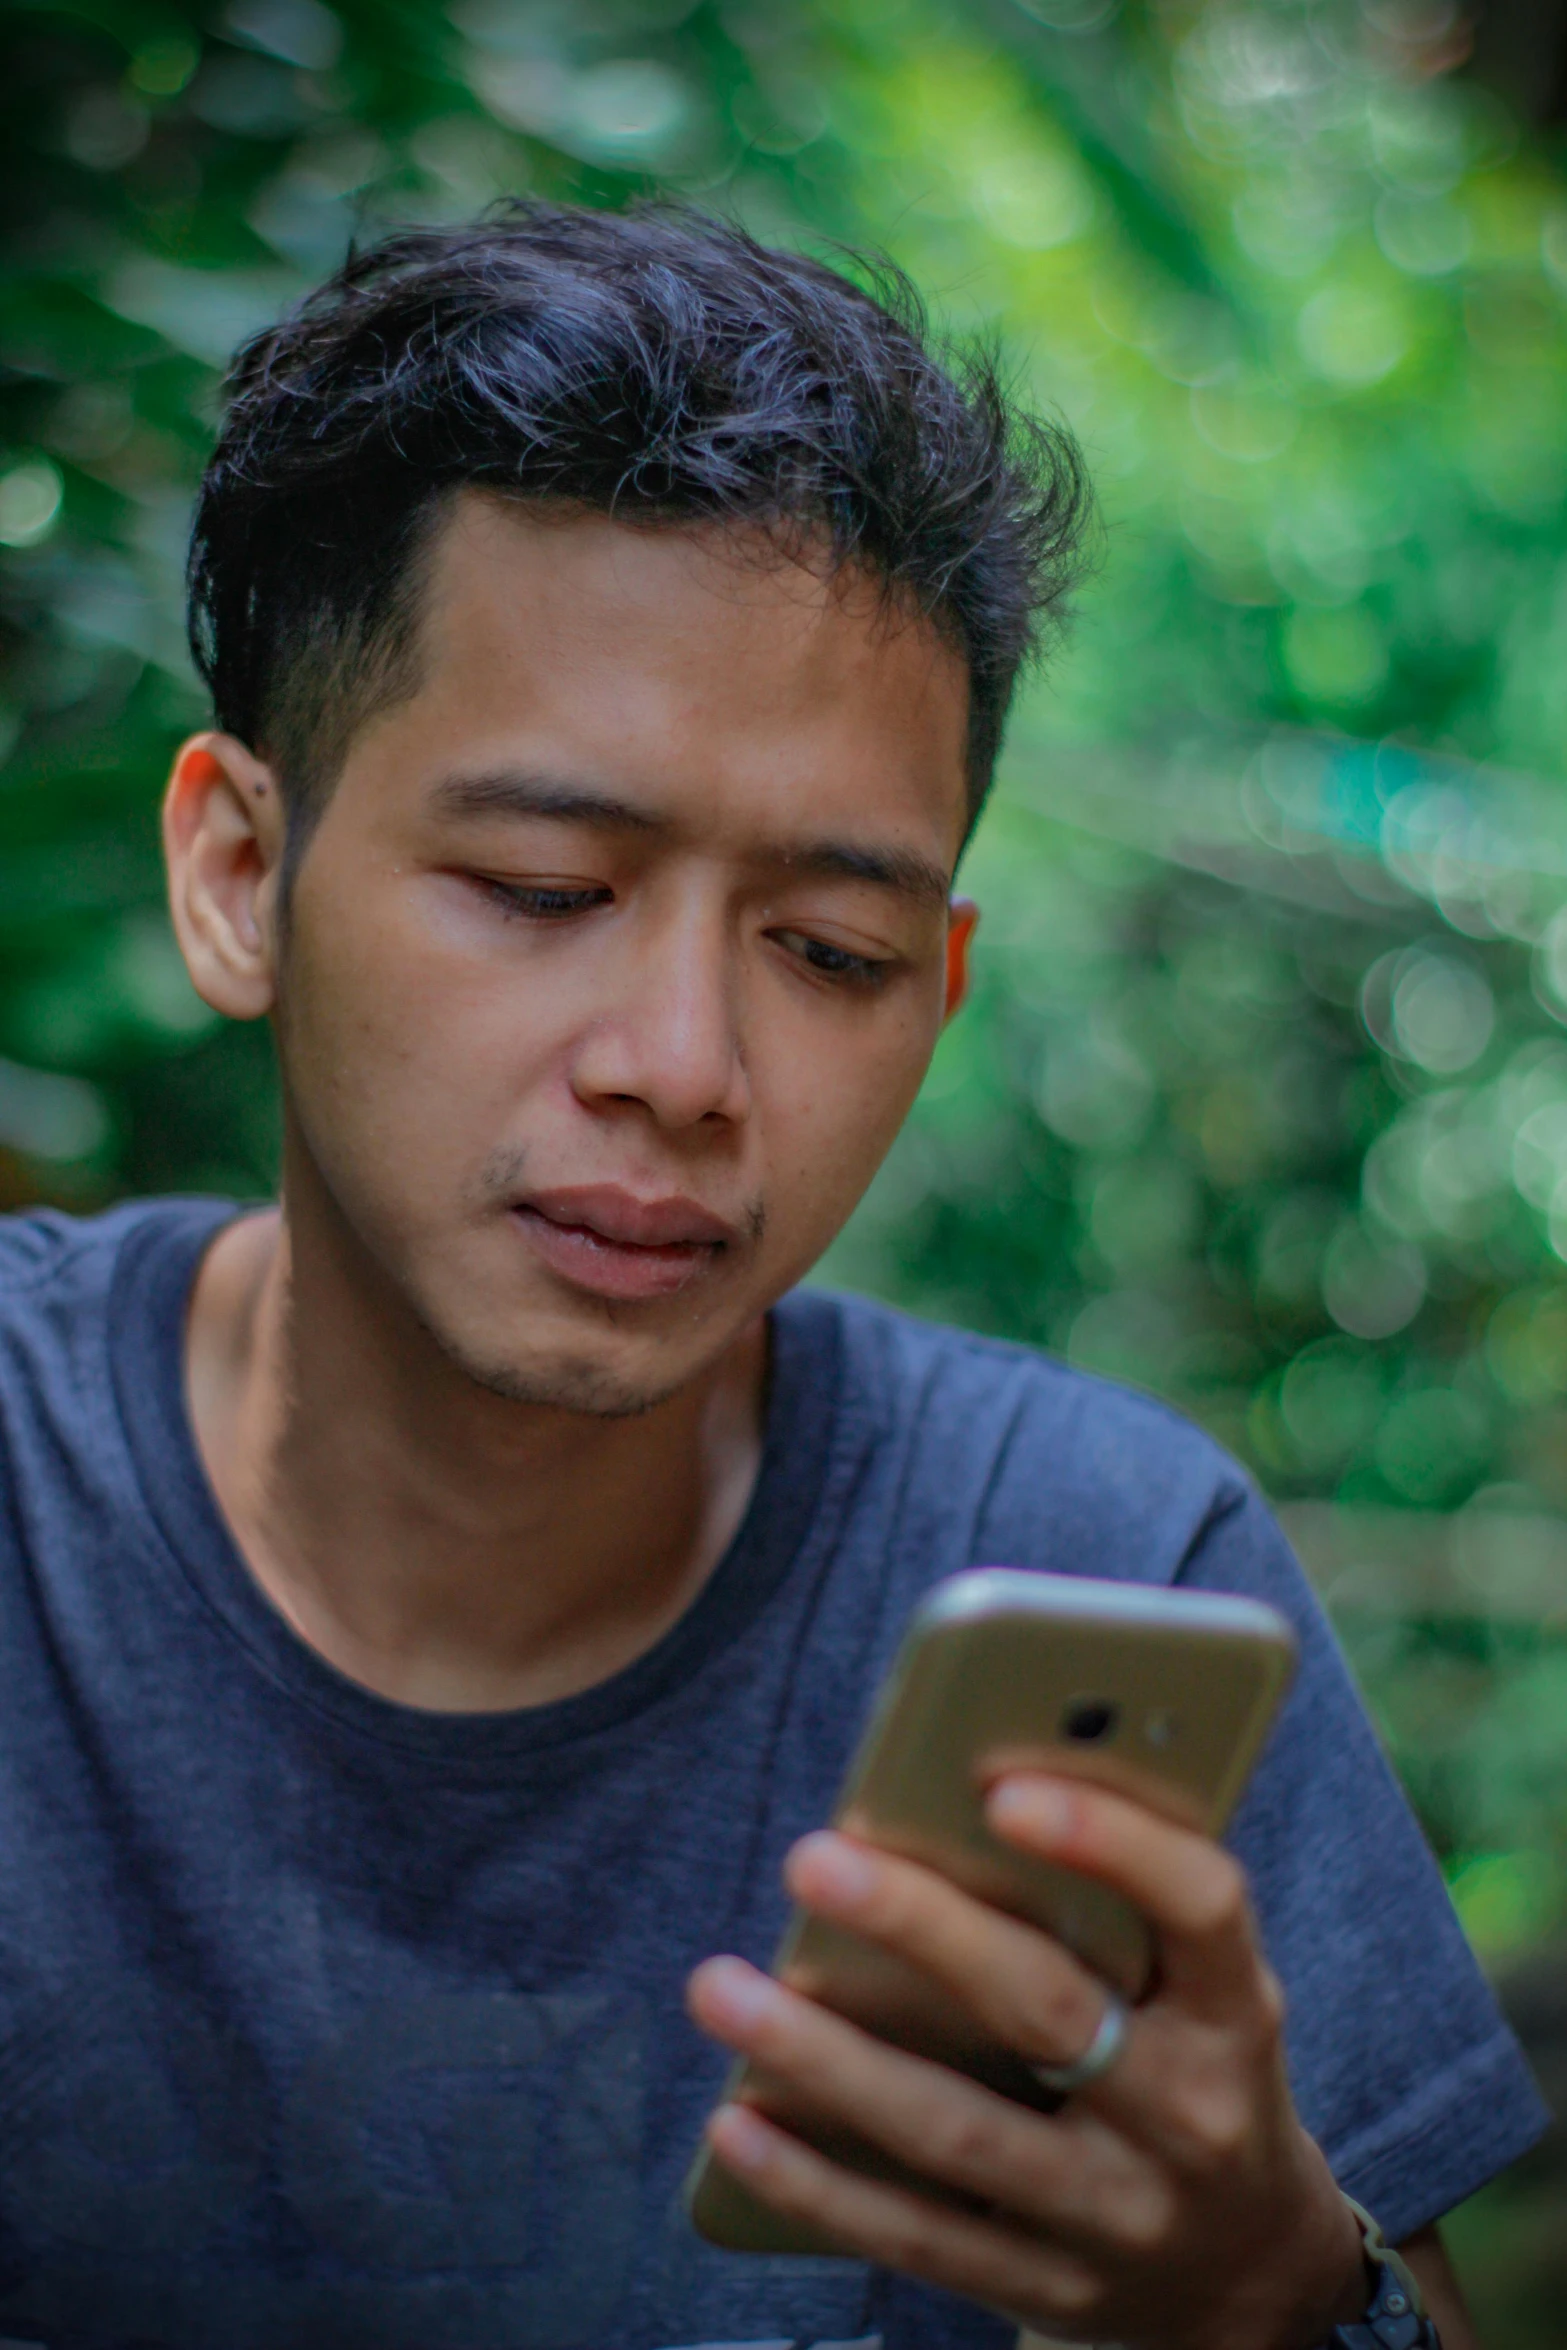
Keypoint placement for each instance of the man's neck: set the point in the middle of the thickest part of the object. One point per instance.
(442, 1545)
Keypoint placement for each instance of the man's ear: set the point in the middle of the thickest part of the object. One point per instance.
(223, 828)
(962, 922)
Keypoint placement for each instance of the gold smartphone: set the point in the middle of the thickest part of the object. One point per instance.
(1166, 1695)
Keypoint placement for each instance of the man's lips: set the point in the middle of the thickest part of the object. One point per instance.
(629, 1221)
(601, 1238)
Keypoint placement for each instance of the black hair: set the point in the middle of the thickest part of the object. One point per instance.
(656, 365)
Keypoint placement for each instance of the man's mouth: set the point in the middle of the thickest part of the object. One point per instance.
(616, 1244)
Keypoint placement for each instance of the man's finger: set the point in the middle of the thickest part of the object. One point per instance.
(1080, 2181)
(1026, 1989)
(1034, 2283)
(1191, 1891)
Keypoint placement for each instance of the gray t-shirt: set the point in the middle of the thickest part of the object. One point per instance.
(328, 2024)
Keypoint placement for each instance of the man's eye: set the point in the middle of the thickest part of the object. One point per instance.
(544, 902)
(835, 962)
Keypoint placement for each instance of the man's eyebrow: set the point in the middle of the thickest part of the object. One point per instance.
(509, 792)
(903, 870)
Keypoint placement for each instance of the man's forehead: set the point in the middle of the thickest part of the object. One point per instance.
(638, 649)
(778, 584)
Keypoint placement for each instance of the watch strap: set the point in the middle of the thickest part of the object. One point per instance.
(1395, 2316)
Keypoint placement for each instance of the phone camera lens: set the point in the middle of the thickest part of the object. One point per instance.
(1089, 1720)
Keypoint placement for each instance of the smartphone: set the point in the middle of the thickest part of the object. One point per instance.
(1165, 1695)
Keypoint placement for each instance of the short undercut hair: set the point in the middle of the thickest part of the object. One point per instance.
(657, 366)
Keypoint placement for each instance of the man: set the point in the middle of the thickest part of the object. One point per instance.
(433, 1611)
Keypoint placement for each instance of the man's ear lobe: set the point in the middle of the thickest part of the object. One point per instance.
(223, 828)
(962, 922)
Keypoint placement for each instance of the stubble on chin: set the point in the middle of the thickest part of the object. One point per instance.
(553, 1374)
(556, 1378)
(564, 1386)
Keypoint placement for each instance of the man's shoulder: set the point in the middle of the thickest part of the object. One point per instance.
(1062, 1469)
(55, 1266)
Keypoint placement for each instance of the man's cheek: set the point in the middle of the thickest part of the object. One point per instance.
(840, 1134)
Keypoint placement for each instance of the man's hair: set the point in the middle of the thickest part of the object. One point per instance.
(657, 366)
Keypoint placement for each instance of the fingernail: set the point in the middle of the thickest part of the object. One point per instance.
(830, 1868)
(744, 2142)
(1039, 1808)
(735, 1993)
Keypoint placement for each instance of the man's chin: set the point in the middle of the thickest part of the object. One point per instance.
(566, 1386)
(573, 1354)
(563, 1377)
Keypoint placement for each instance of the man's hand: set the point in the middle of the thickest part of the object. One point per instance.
(1177, 2202)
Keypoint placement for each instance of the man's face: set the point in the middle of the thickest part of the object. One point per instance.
(620, 950)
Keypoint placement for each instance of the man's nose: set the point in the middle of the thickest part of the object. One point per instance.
(668, 1037)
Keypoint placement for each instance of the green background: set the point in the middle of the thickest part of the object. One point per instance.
(1262, 1098)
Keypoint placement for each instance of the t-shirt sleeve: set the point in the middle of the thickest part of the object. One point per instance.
(1402, 2066)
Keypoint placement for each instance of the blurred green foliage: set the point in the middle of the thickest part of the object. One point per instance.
(1262, 1099)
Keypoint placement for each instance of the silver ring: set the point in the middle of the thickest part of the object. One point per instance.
(1064, 2080)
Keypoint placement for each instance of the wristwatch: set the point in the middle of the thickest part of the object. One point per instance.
(1395, 2317)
